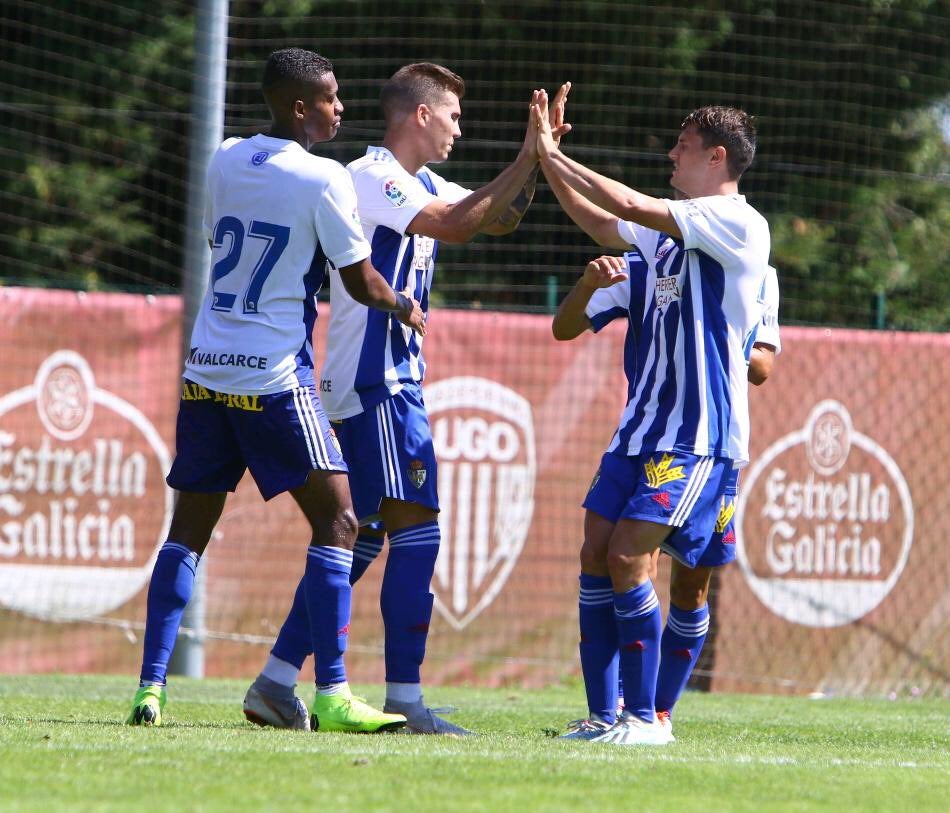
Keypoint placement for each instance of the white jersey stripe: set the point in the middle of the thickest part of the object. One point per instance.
(305, 425)
(385, 462)
(694, 487)
(323, 455)
(394, 454)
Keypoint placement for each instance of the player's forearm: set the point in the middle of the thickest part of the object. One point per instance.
(512, 216)
(571, 320)
(485, 205)
(599, 224)
(368, 287)
(612, 196)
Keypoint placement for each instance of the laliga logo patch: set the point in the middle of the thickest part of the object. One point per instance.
(392, 191)
(259, 158)
(825, 522)
(484, 442)
(83, 503)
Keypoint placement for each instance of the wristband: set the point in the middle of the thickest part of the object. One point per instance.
(403, 304)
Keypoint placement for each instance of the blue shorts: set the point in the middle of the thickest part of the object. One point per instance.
(722, 544)
(683, 491)
(389, 451)
(281, 438)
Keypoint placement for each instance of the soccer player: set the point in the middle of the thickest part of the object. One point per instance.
(603, 294)
(662, 481)
(372, 376)
(275, 215)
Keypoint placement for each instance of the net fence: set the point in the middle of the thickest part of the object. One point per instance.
(852, 173)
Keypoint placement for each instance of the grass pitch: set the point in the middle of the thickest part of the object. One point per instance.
(63, 746)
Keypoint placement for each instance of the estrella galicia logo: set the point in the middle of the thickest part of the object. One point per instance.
(259, 158)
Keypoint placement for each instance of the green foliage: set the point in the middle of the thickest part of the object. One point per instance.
(851, 171)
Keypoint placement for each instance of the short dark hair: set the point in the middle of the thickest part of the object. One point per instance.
(419, 83)
(296, 66)
(728, 127)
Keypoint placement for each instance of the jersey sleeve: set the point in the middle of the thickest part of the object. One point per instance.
(715, 225)
(640, 236)
(388, 198)
(768, 329)
(608, 304)
(447, 190)
(338, 222)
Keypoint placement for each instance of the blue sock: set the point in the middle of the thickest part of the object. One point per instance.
(365, 551)
(327, 592)
(638, 622)
(598, 646)
(681, 644)
(293, 643)
(405, 600)
(173, 579)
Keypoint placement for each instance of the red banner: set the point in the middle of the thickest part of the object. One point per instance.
(841, 583)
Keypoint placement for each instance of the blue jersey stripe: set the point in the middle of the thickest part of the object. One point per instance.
(312, 282)
(715, 328)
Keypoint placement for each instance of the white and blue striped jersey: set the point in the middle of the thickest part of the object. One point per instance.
(702, 304)
(371, 354)
(623, 300)
(275, 214)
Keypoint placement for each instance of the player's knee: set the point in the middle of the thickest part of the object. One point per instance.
(341, 530)
(689, 590)
(625, 568)
(593, 559)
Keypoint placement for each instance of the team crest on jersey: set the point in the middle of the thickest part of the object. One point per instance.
(664, 472)
(393, 193)
(483, 434)
(259, 158)
(417, 473)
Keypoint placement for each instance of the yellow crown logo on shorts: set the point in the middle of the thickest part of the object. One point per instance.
(660, 473)
(726, 512)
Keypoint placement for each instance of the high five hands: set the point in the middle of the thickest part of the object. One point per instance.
(547, 120)
(552, 116)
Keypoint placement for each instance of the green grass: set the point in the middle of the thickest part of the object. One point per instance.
(63, 747)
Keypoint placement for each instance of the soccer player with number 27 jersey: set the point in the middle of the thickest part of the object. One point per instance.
(275, 216)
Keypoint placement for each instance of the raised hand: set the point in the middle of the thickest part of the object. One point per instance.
(531, 136)
(604, 272)
(556, 113)
(546, 143)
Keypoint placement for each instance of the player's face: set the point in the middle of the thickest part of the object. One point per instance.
(690, 162)
(442, 127)
(322, 110)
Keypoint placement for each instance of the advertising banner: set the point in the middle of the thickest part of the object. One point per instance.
(840, 585)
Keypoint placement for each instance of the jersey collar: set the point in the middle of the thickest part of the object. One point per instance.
(380, 154)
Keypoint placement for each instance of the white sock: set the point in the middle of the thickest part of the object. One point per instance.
(333, 688)
(280, 672)
(404, 692)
